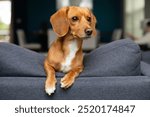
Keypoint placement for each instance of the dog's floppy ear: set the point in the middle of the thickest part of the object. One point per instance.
(93, 24)
(59, 22)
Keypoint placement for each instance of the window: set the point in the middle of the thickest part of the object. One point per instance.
(5, 17)
(82, 3)
(134, 14)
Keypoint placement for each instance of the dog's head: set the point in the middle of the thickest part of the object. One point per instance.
(80, 22)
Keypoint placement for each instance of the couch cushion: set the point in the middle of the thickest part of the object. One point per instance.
(145, 68)
(119, 58)
(17, 61)
(146, 56)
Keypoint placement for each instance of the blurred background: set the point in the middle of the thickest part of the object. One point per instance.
(26, 22)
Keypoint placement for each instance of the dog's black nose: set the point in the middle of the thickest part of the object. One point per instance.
(88, 31)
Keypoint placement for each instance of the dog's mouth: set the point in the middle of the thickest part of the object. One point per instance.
(84, 37)
(81, 37)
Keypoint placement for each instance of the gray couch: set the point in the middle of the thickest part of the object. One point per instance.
(115, 71)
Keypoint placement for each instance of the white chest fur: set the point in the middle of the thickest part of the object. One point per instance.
(66, 65)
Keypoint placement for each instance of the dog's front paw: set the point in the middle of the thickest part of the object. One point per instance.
(66, 82)
(50, 88)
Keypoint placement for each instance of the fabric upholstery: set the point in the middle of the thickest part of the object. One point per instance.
(119, 58)
(17, 61)
(110, 73)
(145, 68)
(146, 56)
(85, 88)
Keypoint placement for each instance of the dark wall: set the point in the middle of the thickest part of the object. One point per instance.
(34, 12)
(109, 14)
(19, 16)
(31, 13)
(39, 12)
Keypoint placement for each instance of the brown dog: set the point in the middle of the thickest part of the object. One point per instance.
(72, 25)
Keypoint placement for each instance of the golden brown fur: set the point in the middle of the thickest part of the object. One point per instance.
(72, 25)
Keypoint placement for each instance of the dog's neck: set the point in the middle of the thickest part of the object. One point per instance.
(70, 46)
(68, 38)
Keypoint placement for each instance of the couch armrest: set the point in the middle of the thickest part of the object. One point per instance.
(145, 68)
(85, 88)
(146, 56)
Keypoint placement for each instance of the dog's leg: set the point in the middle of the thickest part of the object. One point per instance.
(50, 80)
(69, 78)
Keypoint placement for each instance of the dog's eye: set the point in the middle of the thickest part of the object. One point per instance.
(75, 18)
(89, 19)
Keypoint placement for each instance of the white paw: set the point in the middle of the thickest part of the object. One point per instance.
(50, 90)
(62, 85)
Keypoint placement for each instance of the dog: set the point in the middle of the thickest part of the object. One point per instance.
(72, 25)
